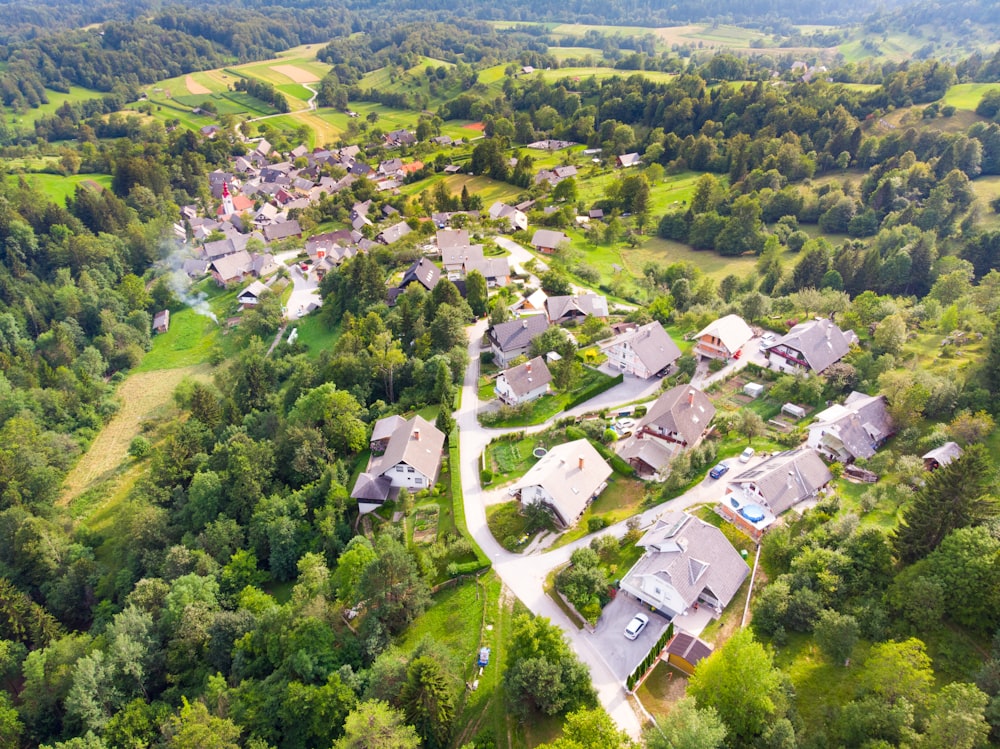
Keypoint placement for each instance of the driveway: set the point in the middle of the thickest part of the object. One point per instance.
(305, 293)
(622, 654)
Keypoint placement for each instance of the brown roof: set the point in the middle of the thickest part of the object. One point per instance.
(689, 647)
(528, 376)
(683, 409)
(417, 443)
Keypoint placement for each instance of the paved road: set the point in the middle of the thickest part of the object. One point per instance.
(305, 287)
(525, 574)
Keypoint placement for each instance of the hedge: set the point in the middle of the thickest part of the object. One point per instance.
(458, 508)
(650, 658)
(616, 461)
(594, 390)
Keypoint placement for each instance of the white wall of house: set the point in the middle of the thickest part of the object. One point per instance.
(827, 445)
(502, 358)
(506, 394)
(782, 364)
(655, 592)
(623, 357)
(407, 476)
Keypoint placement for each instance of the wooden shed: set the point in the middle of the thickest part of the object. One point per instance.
(685, 651)
(161, 321)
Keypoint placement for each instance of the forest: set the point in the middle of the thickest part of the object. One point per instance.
(216, 585)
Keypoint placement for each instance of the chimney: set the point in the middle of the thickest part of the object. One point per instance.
(581, 462)
(527, 367)
(416, 434)
(691, 397)
(524, 323)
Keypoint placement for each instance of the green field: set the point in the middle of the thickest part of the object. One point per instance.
(57, 187)
(56, 99)
(189, 341)
(968, 95)
(600, 74)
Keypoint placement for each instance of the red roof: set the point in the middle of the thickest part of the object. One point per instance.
(413, 166)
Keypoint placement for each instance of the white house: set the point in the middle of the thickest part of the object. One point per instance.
(856, 429)
(688, 562)
(566, 479)
(412, 459)
(723, 338)
(523, 383)
(643, 352)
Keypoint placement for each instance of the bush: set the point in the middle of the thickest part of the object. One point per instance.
(596, 524)
(594, 390)
(716, 364)
(140, 447)
(486, 476)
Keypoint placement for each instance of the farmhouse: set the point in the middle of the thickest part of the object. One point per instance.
(566, 480)
(755, 498)
(523, 383)
(515, 219)
(687, 563)
(511, 339)
(723, 338)
(627, 160)
(562, 309)
(853, 430)
(810, 347)
(548, 241)
(643, 352)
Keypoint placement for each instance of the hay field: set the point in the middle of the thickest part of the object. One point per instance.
(195, 88)
(296, 74)
(142, 395)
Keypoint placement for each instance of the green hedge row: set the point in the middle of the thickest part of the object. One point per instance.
(594, 390)
(650, 658)
(616, 461)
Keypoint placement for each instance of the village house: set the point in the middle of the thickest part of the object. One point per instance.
(231, 268)
(250, 296)
(422, 271)
(676, 421)
(627, 160)
(410, 458)
(688, 563)
(394, 233)
(496, 270)
(852, 431)
(511, 339)
(548, 241)
(723, 338)
(283, 230)
(562, 309)
(941, 456)
(161, 321)
(566, 480)
(643, 352)
(533, 304)
(515, 219)
(755, 498)
(810, 347)
(523, 383)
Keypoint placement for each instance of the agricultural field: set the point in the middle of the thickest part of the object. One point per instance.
(968, 95)
(599, 73)
(58, 187)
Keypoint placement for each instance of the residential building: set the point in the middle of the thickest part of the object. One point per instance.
(496, 270)
(562, 309)
(161, 321)
(723, 338)
(424, 272)
(755, 498)
(856, 429)
(394, 233)
(643, 352)
(412, 457)
(566, 480)
(250, 296)
(548, 241)
(523, 383)
(532, 304)
(677, 420)
(810, 347)
(516, 220)
(688, 563)
(511, 339)
(231, 268)
(627, 159)
(282, 230)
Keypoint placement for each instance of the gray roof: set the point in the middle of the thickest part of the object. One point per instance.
(255, 290)
(226, 246)
(416, 443)
(284, 230)
(372, 488)
(232, 266)
(683, 409)
(787, 478)
(571, 473)
(452, 238)
(943, 455)
(424, 272)
(548, 238)
(657, 454)
(490, 267)
(386, 426)
(652, 344)
(515, 334)
(394, 233)
(581, 305)
(862, 424)
(457, 255)
(528, 376)
(821, 343)
(691, 556)
(628, 159)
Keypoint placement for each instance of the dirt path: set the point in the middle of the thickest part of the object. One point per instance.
(140, 395)
(194, 87)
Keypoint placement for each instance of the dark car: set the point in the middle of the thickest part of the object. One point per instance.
(717, 472)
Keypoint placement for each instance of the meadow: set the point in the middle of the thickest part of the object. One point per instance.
(59, 187)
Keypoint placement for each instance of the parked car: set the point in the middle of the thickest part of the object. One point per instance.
(719, 469)
(746, 455)
(625, 425)
(635, 627)
(767, 340)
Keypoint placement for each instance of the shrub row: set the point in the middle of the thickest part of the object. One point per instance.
(650, 658)
(594, 390)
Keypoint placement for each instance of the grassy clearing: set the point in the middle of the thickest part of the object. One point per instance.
(143, 395)
(622, 499)
(600, 73)
(57, 187)
(27, 120)
(968, 95)
(315, 335)
(543, 409)
(190, 341)
(662, 689)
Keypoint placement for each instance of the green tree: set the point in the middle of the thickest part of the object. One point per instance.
(890, 335)
(351, 565)
(688, 727)
(387, 356)
(836, 634)
(590, 729)
(195, 728)
(739, 681)
(750, 424)
(376, 725)
(11, 726)
(957, 719)
(954, 496)
(427, 702)
(391, 585)
(477, 292)
(336, 412)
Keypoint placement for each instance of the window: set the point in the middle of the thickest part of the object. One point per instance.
(418, 482)
(409, 469)
(399, 469)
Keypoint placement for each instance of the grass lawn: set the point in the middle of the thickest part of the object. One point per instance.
(56, 99)
(662, 689)
(544, 408)
(623, 498)
(315, 335)
(600, 73)
(508, 526)
(57, 188)
(189, 341)
(968, 95)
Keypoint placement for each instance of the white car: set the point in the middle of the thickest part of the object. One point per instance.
(746, 455)
(635, 627)
(625, 425)
(767, 340)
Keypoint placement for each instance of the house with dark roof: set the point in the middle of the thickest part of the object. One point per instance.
(643, 352)
(722, 338)
(756, 497)
(424, 272)
(562, 309)
(394, 233)
(231, 268)
(548, 241)
(852, 430)
(398, 138)
(566, 480)
(523, 383)
(283, 230)
(687, 563)
(250, 296)
(941, 456)
(511, 339)
(810, 347)
(676, 421)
